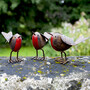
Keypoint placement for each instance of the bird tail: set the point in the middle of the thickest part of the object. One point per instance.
(7, 36)
(47, 36)
(80, 39)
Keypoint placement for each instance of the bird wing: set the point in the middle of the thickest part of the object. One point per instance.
(12, 43)
(81, 39)
(67, 40)
(7, 36)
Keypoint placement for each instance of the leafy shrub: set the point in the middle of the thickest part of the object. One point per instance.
(81, 27)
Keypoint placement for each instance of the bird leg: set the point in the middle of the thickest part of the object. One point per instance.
(61, 55)
(61, 59)
(43, 58)
(36, 57)
(65, 59)
(18, 59)
(10, 60)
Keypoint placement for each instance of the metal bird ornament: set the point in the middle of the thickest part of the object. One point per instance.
(15, 42)
(39, 40)
(60, 42)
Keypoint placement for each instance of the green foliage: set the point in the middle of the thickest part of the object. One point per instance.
(24, 16)
(3, 7)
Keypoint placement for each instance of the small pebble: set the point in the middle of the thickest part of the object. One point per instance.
(62, 75)
(48, 63)
(24, 59)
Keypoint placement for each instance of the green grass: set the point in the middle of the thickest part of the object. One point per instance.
(49, 51)
(29, 51)
(24, 51)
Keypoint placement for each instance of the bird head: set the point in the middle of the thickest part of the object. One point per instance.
(36, 33)
(17, 36)
(54, 35)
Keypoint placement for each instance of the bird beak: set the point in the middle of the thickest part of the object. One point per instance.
(50, 34)
(33, 32)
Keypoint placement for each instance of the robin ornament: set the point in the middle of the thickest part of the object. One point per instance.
(39, 41)
(60, 42)
(15, 42)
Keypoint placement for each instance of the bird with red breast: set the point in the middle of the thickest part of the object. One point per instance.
(39, 41)
(60, 42)
(15, 42)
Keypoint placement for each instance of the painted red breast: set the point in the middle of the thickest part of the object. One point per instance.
(52, 43)
(35, 42)
(18, 44)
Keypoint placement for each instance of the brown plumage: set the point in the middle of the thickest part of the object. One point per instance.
(59, 44)
(12, 43)
(41, 41)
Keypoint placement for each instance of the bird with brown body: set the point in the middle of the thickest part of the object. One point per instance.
(61, 43)
(39, 41)
(15, 42)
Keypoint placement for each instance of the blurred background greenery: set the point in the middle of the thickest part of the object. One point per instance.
(69, 17)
